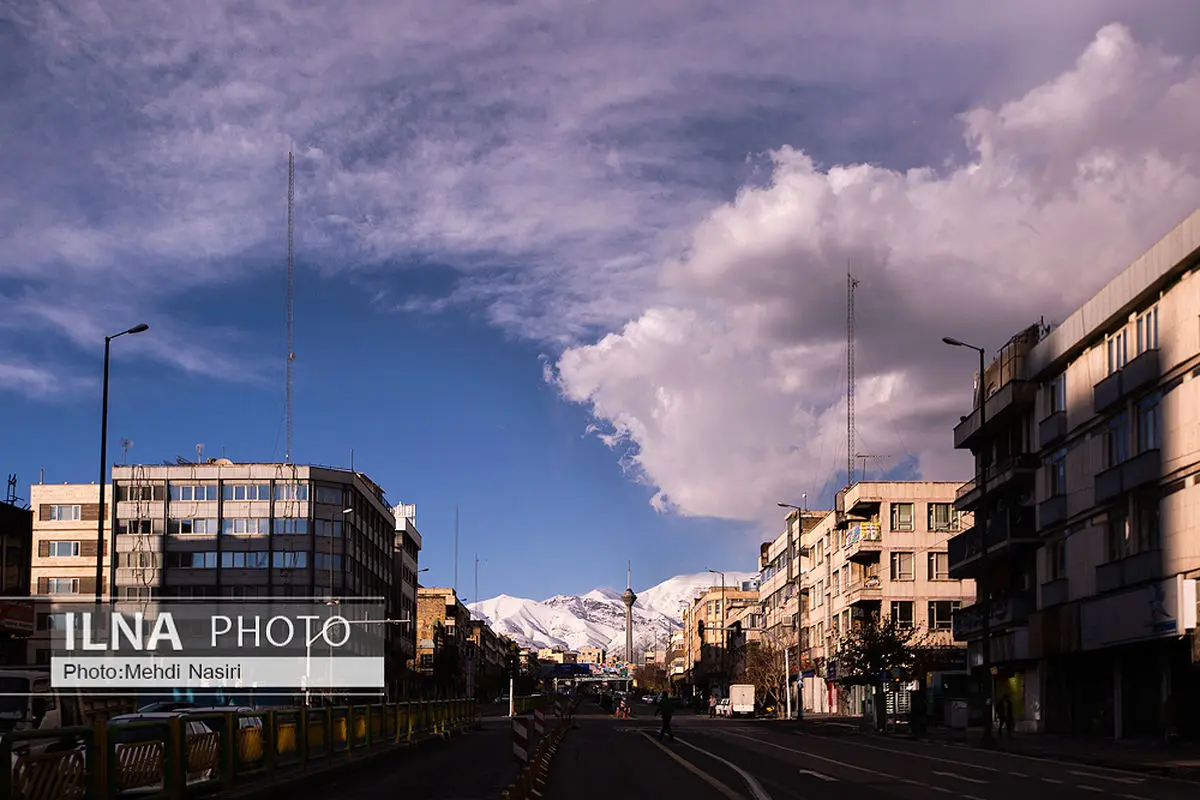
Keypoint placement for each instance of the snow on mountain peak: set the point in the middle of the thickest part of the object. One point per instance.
(597, 618)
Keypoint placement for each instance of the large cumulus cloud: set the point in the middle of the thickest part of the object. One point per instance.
(729, 395)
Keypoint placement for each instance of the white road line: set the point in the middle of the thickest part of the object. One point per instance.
(692, 768)
(752, 784)
(816, 774)
(1118, 779)
(1052, 780)
(911, 754)
(1087, 788)
(1132, 797)
(971, 797)
(959, 777)
(1018, 774)
(762, 743)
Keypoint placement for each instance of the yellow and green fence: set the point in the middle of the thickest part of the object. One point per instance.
(170, 758)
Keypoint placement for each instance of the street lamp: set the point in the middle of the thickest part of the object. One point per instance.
(724, 630)
(345, 513)
(310, 640)
(981, 522)
(139, 328)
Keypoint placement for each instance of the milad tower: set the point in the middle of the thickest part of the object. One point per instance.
(629, 598)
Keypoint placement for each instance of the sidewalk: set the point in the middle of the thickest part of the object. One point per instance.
(1181, 761)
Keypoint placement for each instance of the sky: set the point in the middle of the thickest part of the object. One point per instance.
(576, 270)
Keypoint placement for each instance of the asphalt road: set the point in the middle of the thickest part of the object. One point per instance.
(725, 759)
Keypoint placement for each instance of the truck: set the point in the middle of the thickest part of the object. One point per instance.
(741, 700)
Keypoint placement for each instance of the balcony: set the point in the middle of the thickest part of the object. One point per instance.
(1133, 473)
(1006, 531)
(1015, 395)
(868, 590)
(1006, 612)
(1051, 511)
(864, 541)
(1055, 593)
(1135, 375)
(1128, 571)
(1001, 476)
(1052, 428)
(963, 550)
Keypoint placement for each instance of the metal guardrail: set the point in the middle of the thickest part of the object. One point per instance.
(174, 758)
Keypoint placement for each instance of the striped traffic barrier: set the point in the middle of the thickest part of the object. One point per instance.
(539, 721)
(520, 731)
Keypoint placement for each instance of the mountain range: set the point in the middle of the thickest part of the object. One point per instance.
(597, 619)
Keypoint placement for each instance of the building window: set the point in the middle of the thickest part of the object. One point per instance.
(63, 549)
(291, 526)
(1147, 534)
(62, 586)
(289, 559)
(1118, 536)
(1116, 440)
(330, 495)
(902, 516)
(1056, 472)
(1057, 565)
(324, 527)
(202, 527)
(1118, 350)
(139, 526)
(196, 560)
(1147, 331)
(942, 517)
(1148, 423)
(902, 613)
(902, 567)
(941, 614)
(322, 562)
(291, 491)
(249, 491)
(250, 526)
(1056, 393)
(193, 493)
(65, 513)
(141, 493)
(244, 560)
(136, 593)
(939, 566)
(142, 559)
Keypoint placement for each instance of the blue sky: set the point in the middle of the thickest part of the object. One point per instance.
(579, 272)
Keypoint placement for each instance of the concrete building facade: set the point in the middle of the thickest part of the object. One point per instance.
(881, 553)
(1114, 423)
(443, 638)
(406, 552)
(706, 640)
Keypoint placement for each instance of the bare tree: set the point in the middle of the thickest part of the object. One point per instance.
(763, 666)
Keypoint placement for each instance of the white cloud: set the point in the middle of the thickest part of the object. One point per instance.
(732, 395)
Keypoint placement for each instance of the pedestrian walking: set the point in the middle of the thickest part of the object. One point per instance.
(712, 706)
(666, 709)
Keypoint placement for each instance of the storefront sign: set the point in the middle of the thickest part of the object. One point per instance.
(1161, 609)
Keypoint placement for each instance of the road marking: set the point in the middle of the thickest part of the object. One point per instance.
(1116, 778)
(1052, 780)
(971, 797)
(1087, 788)
(959, 777)
(1018, 774)
(753, 785)
(911, 754)
(709, 779)
(1132, 797)
(816, 774)
(762, 743)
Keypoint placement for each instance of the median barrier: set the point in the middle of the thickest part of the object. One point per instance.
(179, 755)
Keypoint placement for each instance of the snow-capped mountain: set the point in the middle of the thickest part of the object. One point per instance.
(597, 619)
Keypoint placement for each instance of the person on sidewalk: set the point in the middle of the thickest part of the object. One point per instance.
(665, 709)
(1005, 714)
(712, 706)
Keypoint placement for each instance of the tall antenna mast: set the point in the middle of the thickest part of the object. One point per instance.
(291, 291)
(475, 596)
(851, 283)
(125, 445)
(456, 549)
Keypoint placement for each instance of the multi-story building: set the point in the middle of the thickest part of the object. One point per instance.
(443, 641)
(591, 655)
(64, 547)
(406, 552)
(488, 652)
(781, 563)
(1116, 425)
(707, 637)
(17, 613)
(881, 553)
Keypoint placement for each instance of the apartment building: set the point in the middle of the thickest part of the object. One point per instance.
(781, 563)
(591, 655)
(999, 550)
(488, 651)
(406, 551)
(443, 637)
(707, 638)
(1116, 423)
(64, 546)
(881, 553)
